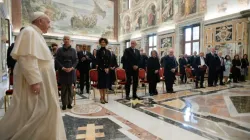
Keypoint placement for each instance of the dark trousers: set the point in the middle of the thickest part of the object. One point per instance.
(130, 75)
(212, 76)
(84, 79)
(183, 75)
(220, 73)
(152, 88)
(111, 78)
(236, 75)
(169, 81)
(200, 77)
(67, 94)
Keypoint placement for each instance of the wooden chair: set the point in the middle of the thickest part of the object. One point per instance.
(60, 88)
(120, 79)
(142, 78)
(8, 93)
(190, 75)
(93, 77)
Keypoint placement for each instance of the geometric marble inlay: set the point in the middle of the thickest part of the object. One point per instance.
(84, 109)
(179, 104)
(241, 103)
(90, 132)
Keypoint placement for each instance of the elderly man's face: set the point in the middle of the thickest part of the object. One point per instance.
(202, 54)
(133, 44)
(66, 40)
(171, 52)
(44, 24)
(84, 47)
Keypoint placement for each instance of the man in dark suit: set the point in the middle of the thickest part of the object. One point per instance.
(192, 61)
(200, 69)
(170, 67)
(113, 66)
(84, 66)
(131, 64)
(184, 62)
(143, 62)
(221, 68)
(211, 62)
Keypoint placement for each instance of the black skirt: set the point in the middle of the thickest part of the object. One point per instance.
(103, 79)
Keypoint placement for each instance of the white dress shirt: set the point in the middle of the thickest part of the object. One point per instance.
(202, 61)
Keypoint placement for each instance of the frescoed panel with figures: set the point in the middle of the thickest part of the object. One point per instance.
(94, 18)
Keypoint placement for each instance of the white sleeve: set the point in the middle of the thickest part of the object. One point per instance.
(29, 66)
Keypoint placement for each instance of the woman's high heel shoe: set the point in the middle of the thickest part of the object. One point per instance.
(102, 101)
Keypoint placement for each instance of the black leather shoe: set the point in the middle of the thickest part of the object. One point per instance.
(127, 98)
(64, 107)
(136, 97)
(69, 107)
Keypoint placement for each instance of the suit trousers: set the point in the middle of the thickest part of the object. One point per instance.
(67, 94)
(212, 76)
(183, 76)
(84, 79)
(131, 75)
(152, 87)
(221, 71)
(200, 77)
(169, 81)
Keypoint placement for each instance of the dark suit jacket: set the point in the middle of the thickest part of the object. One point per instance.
(131, 59)
(10, 61)
(219, 64)
(103, 58)
(84, 66)
(153, 64)
(113, 61)
(212, 61)
(93, 62)
(192, 60)
(143, 62)
(183, 62)
(197, 62)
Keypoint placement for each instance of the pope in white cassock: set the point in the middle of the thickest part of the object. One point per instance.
(34, 113)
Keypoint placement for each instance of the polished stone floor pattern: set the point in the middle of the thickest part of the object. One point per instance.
(216, 113)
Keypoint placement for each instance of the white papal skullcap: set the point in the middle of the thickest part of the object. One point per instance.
(37, 15)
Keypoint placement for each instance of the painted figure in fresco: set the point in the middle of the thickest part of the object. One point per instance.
(138, 21)
(223, 6)
(167, 9)
(152, 16)
(189, 6)
(127, 25)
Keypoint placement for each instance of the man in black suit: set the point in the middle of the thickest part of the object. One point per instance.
(113, 66)
(221, 68)
(184, 62)
(143, 62)
(84, 66)
(192, 61)
(200, 69)
(131, 64)
(212, 63)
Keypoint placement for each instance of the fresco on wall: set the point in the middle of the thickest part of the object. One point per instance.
(127, 25)
(222, 7)
(137, 20)
(167, 42)
(93, 18)
(188, 7)
(224, 33)
(167, 10)
(244, 2)
(151, 15)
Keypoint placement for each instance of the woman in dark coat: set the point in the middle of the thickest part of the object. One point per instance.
(153, 68)
(103, 57)
(236, 68)
(244, 67)
(94, 61)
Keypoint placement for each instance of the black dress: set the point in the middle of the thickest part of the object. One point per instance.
(103, 57)
(235, 70)
(152, 77)
(94, 62)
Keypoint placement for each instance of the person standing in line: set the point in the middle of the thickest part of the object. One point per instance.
(84, 66)
(54, 47)
(244, 66)
(94, 61)
(236, 68)
(143, 62)
(103, 57)
(184, 62)
(131, 62)
(221, 68)
(153, 76)
(211, 62)
(170, 67)
(200, 69)
(192, 61)
(34, 113)
(66, 59)
(228, 65)
(10, 61)
(113, 66)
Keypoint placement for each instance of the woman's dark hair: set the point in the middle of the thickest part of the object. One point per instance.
(103, 39)
(245, 55)
(236, 56)
(53, 44)
(227, 56)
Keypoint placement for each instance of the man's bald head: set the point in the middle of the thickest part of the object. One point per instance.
(41, 20)
(212, 50)
(133, 44)
(171, 52)
(66, 41)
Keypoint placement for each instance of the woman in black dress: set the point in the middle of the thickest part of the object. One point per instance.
(236, 68)
(153, 77)
(103, 56)
(94, 61)
(244, 67)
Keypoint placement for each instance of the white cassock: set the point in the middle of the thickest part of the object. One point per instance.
(30, 116)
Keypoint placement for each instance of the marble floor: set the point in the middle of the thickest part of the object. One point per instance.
(217, 113)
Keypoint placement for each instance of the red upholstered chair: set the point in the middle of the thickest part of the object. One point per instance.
(93, 77)
(120, 79)
(78, 80)
(8, 93)
(178, 75)
(189, 74)
(60, 88)
(142, 78)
